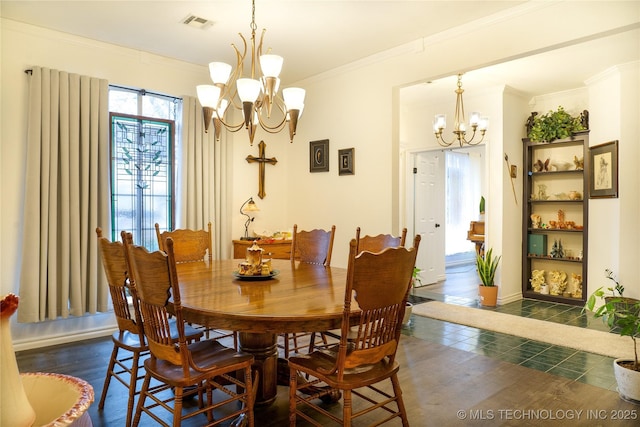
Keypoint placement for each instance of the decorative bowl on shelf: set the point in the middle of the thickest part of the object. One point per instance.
(561, 165)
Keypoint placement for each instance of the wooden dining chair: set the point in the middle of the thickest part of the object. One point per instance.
(183, 368)
(313, 247)
(129, 346)
(379, 242)
(379, 283)
(191, 246)
(365, 243)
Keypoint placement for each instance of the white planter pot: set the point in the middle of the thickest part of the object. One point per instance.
(407, 313)
(628, 382)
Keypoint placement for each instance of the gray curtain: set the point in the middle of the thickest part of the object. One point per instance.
(66, 196)
(202, 168)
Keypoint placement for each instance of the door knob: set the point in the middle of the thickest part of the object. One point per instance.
(437, 225)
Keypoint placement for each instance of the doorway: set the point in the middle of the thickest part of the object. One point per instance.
(446, 190)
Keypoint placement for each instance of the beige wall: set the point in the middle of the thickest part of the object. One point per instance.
(352, 107)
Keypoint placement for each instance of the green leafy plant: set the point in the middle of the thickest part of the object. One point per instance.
(481, 204)
(554, 125)
(415, 277)
(621, 316)
(618, 286)
(487, 267)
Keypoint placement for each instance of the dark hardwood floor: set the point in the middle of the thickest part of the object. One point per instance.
(442, 387)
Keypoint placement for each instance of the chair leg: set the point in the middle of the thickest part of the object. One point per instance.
(177, 406)
(133, 382)
(347, 407)
(141, 399)
(398, 392)
(293, 385)
(107, 380)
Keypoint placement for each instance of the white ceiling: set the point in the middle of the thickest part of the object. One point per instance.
(314, 36)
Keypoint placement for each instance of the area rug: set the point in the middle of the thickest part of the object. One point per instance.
(598, 342)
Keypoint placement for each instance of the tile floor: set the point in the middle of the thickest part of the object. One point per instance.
(580, 366)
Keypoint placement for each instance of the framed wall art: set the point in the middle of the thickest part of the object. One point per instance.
(345, 161)
(603, 178)
(319, 156)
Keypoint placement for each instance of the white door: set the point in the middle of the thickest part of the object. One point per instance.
(429, 214)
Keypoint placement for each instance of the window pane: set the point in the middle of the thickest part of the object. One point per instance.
(123, 101)
(142, 188)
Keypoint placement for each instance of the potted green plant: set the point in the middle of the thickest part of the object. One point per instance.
(617, 297)
(482, 202)
(415, 281)
(623, 318)
(554, 125)
(487, 266)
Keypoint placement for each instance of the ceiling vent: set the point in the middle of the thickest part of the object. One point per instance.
(197, 22)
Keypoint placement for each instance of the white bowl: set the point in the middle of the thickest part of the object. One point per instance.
(58, 400)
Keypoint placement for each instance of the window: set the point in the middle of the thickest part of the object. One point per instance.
(142, 163)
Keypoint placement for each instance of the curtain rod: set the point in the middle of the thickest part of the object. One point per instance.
(146, 92)
(140, 91)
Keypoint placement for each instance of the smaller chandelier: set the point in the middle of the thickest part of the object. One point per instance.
(459, 127)
(254, 97)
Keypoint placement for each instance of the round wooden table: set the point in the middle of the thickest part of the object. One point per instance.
(300, 298)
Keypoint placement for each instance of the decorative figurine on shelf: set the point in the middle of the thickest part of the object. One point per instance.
(542, 192)
(561, 165)
(536, 220)
(561, 223)
(530, 121)
(540, 166)
(576, 285)
(584, 119)
(578, 162)
(537, 280)
(556, 250)
(557, 282)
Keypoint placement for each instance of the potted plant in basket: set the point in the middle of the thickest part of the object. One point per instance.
(487, 266)
(623, 317)
(621, 302)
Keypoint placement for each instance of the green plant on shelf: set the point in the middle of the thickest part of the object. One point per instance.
(554, 125)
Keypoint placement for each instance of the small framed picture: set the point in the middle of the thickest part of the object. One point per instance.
(345, 161)
(319, 156)
(603, 178)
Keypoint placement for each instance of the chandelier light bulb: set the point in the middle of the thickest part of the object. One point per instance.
(219, 72)
(208, 95)
(222, 107)
(271, 65)
(293, 98)
(439, 122)
(475, 119)
(248, 89)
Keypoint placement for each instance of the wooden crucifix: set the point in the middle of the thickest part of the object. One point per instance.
(262, 160)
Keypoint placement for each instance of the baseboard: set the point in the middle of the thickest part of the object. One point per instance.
(510, 298)
(41, 342)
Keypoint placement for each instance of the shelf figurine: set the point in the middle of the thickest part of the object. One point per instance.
(537, 280)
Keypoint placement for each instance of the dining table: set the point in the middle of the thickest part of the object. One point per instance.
(294, 297)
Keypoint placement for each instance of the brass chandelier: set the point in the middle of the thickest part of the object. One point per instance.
(254, 96)
(459, 127)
